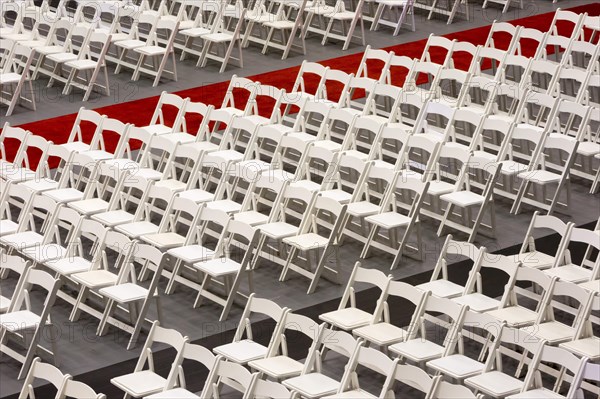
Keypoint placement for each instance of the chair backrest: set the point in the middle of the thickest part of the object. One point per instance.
(270, 390)
(338, 341)
(415, 377)
(359, 274)
(528, 275)
(225, 372)
(454, 313)
(164, 336)
(371, 359)
(82, 131)
(447, 390)
(196, 353)
(260, 306)
(79, 390)
(453, 252)
(39, 279)
(42, 371)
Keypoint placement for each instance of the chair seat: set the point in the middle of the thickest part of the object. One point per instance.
(593, 286)
(4, 304)
(512, 168)
(45, 253)
(313, 385)
(515, 316)
(130, 44)
(158, 129)
(242, 352)
(150, 50)
(354, 394)
(463, 198)
(82, 65)
(17, 175)
(140, 384)
(218, 267)
(203, 146)
(307, 185)
(383, 334)
(95, 278)
(589, 347)
(69, 265)
(457, 366)
(124, 293)
(438, 188)
(176, 393)
(9, 77)
(46, 50)
(571, 273)
(191, 253)
(279, 24)
(588, 148)
(306, 242)
(553, 331)
(8, 227)
(540, 393)
(362, 209)
(39, 185)
(478, 302)
(251, 218)
(278, 230)
(348, 318)
(227, 206)
(164, 240)
(113, 218)
(341, 15)
(137, 229)
(540, 176)
(218, 37)
(194, 32)
(229, 155)
(495, 383)
(100, 155)
(19, 320)
(17, 37)
(418, 350)
(278, 367)
(249, 169)
(279, 174)
(197, 195)
(535, 259)
(89, 206)
(171, 184)
(76, 146)
(62, 57)
(24, 239)
(388, 220)
(442, 288)
(63, 195)
(180, 137)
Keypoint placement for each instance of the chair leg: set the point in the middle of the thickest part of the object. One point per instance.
(286, 268)
(365, 251)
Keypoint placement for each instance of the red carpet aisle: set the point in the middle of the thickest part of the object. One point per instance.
(140, 111)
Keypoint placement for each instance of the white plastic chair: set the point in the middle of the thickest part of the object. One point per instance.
(144, 381)
(231, 374)
(242, 351)
(585, 343)
(153, 49)
(46, 372)
(400, 10)
(16, 75)
(229, 39)
(17, 320)
(564, 267)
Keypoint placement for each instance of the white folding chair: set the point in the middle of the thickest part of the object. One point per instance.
(555, 331)
(513, 307)
(566, 269)
(348, 316)
(341, 15)
(94, 62)
(135, 39)
(85, 128)
(453, 253)
(46, 372)
(22, 167)
(494, 381)
(17, 320)
(128, 292)
(79, 390)
(380, 330)
(15, 264)
(473, 296)
(309, 238)
(15, 75)
(529, 256)
(585, 343)
(229, 41)
(231, 374)
(417, 347)
(153, 49)
(312, 382)
(242, 351)
(283, 24)
(390, 218)
(462, 365)
(399, 11)
(143, 381)
(468, 197)
(277, 364)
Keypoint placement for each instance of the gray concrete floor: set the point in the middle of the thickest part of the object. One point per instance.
(81, 351)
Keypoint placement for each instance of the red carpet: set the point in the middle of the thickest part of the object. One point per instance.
(140, 111)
